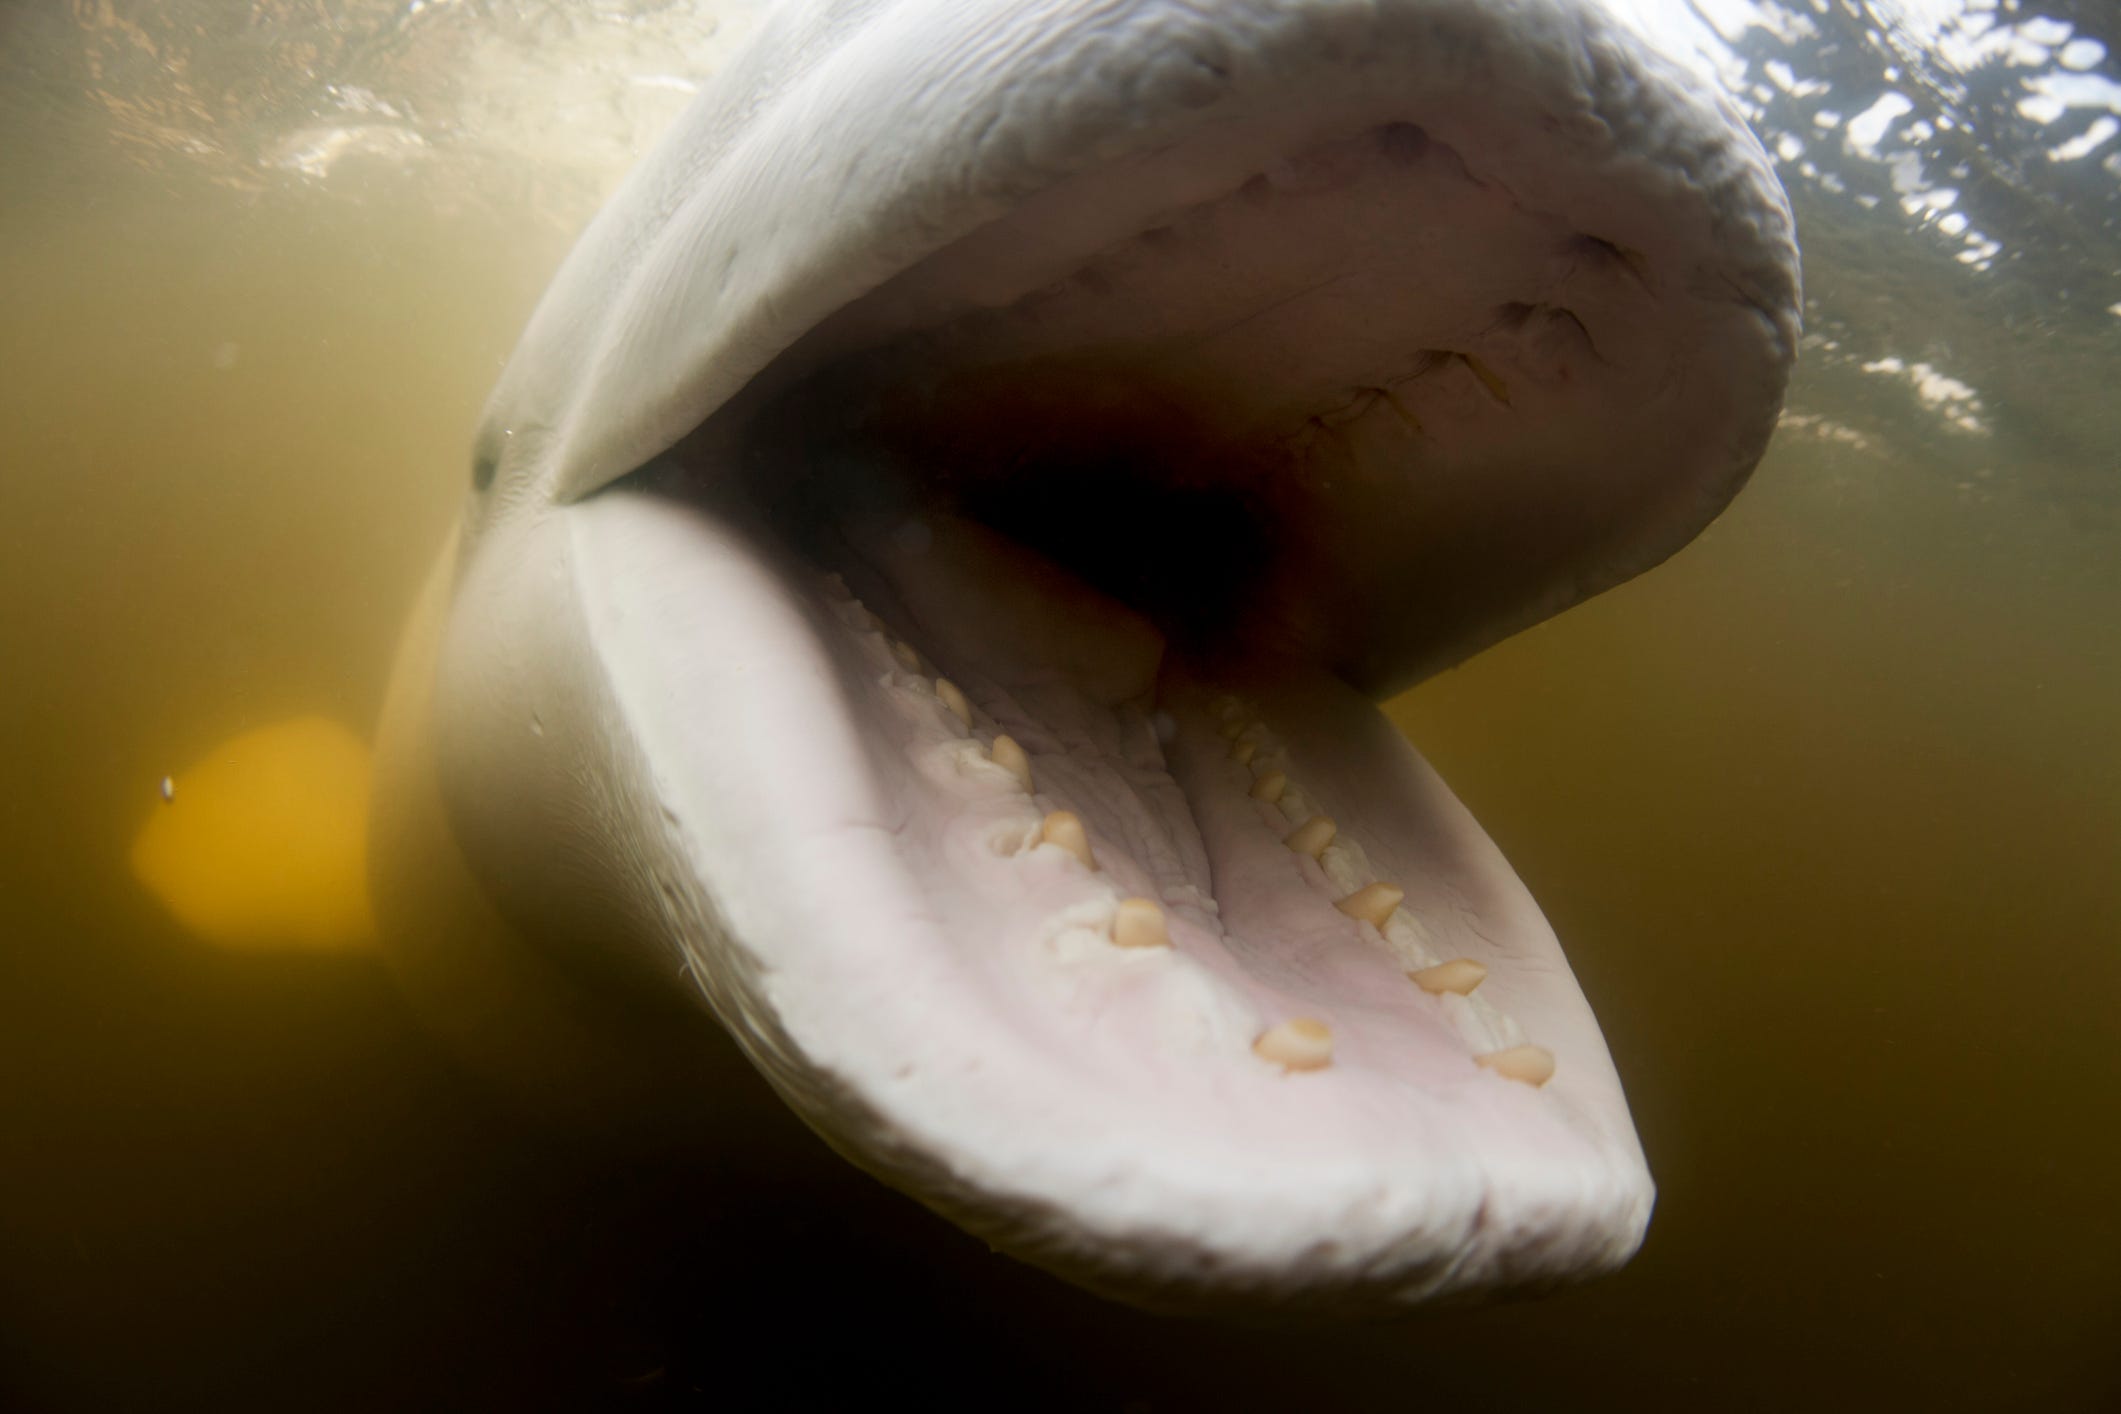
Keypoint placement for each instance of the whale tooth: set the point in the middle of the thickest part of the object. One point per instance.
(1065, 828)
(1304, 1043)
(851, 612)
(1373, 903)
(1010, 757)
(1497, 389)
(1312, 836)
(1460, 975)
(1139, 923)
(1270, 786)
(907, 657)
(954, 700)
(1234, 727)
(1533, 1065)
(1241, 752)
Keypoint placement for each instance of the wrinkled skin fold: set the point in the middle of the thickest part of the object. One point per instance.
(930, 565)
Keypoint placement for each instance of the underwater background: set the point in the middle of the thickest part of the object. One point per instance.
(1827, 811)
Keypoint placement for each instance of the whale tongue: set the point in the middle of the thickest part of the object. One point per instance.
(1187, 979)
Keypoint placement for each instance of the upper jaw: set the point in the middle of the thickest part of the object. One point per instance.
(1520, 319)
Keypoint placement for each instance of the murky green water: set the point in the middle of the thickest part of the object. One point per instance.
(1828, 812)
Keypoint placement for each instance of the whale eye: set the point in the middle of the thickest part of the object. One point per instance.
(482, 468)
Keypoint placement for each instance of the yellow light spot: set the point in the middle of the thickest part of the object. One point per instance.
(264, 843)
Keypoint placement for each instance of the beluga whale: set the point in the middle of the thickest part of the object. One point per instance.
(930, 565)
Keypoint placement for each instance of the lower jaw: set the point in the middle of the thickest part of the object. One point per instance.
(1074, 965)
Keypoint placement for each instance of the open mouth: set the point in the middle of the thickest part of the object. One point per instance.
(993, 667)
(1180, 976)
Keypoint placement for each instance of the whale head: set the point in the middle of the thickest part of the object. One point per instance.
(933, 555)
